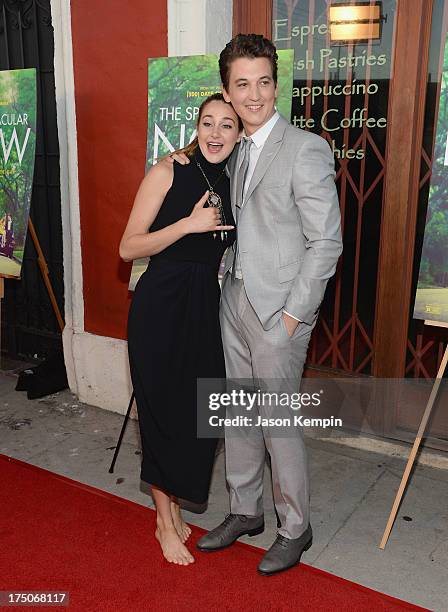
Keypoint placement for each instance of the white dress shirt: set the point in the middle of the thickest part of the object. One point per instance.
(258, 140)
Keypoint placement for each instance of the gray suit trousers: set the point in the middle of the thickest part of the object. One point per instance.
(252, 352)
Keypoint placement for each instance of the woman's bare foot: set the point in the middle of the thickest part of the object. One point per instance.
(173, 549)
(180, 525)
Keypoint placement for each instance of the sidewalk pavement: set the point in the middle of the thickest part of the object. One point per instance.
(353, 486)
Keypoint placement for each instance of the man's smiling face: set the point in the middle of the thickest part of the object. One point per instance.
(252, 91)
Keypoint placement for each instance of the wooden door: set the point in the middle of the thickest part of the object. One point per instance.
(366, 326)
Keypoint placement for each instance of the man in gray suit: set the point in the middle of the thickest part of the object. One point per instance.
(288, 244)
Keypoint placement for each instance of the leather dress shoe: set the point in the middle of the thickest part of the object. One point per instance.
(233, 527)
(285, 553)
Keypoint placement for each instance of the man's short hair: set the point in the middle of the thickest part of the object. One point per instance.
(246, 45)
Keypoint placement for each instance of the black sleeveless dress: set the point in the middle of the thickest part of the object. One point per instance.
(174, 337)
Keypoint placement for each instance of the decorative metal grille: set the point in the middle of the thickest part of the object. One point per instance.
(343, 338)
(29, 326)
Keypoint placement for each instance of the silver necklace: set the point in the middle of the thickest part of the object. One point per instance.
(214, 199)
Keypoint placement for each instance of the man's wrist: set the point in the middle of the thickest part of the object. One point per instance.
(292, 316)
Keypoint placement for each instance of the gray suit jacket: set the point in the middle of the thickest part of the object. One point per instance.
(289, 229)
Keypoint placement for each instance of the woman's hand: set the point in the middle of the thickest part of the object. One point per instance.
(205, 219)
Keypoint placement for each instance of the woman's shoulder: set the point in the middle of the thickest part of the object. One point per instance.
(162, 169)
(169, 166)
(160, 174)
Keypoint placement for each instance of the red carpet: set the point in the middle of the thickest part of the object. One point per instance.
(61, 535)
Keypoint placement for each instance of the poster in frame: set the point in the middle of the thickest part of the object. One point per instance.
(17, 155)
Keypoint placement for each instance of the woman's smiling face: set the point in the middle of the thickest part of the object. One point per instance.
(217, 130)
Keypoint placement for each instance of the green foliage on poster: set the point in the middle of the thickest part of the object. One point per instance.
(176, 88)
(17, 154)
(431, 301)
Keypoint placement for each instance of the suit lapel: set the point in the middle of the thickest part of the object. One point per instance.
(268, 153)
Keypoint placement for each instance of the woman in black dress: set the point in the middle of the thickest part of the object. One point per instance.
(174, 335)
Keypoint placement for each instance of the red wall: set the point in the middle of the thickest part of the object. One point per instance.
(111, 43)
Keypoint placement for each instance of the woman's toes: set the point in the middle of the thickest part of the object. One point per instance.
(173, 548)
(186, 531)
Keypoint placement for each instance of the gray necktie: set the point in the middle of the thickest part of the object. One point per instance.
(240, 180)
(242, 172)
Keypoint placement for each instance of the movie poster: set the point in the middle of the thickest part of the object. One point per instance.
(17, 148)
(176, 88)
(431, 300)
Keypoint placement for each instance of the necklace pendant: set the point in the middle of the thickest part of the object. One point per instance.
(214, 199)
